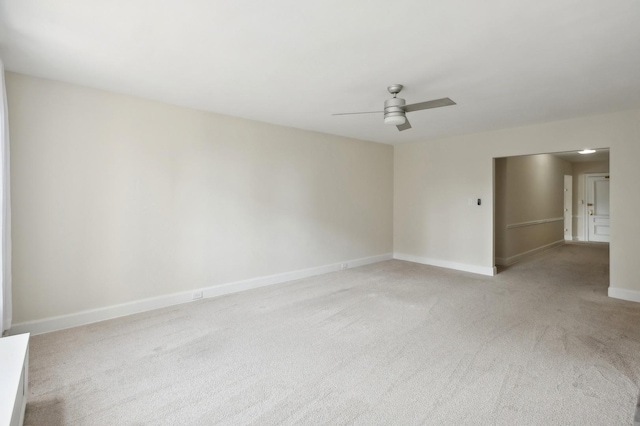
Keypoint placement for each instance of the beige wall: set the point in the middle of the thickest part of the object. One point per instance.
(528, 188)
(434, 179)
(116, 198)
(579, 170)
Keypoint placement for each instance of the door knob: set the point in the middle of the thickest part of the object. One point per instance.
(590, 212)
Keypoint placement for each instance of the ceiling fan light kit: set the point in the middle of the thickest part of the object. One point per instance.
(395, 109)
(396, 120)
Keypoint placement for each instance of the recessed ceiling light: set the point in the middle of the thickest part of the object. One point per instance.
(587, 151)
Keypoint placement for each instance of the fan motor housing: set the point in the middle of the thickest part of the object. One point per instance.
(394, 107)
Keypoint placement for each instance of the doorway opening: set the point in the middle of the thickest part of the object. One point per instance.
(545, 200)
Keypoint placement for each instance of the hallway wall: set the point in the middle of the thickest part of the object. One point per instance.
(529, 197)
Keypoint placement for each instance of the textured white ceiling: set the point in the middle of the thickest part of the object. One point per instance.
(505, 63)
(574, 157)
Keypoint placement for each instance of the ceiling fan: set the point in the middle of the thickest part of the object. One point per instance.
(395, 109)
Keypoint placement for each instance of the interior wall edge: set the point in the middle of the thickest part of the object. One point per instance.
(76, 319)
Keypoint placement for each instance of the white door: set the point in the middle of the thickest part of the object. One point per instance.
(568, 201)
(598, 208)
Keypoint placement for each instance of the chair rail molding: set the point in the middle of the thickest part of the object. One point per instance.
(535, 222)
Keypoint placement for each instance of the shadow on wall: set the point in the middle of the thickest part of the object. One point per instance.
(48, 412)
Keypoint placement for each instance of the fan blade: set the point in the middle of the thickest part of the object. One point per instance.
(366, 112)
(429, 104)
(404, 126)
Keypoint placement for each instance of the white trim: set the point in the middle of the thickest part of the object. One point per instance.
(483, 270)
(100, 314)
(567, 211)
(502, 261)
(624, 294)
(14, 379)
(535, 222)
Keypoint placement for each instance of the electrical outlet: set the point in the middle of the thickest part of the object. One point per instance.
(343, 266)
(197, 295)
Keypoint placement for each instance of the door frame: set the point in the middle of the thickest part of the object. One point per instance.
(504, 154)
(586, 202)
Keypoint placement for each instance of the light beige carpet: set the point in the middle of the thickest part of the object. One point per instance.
(390, 343)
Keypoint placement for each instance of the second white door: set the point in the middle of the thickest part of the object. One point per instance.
(598, 227)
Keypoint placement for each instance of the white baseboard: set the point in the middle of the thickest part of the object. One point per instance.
(483, 270)
(507, 261)
(100, 314)
(624, 294)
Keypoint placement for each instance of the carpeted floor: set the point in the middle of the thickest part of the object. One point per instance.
(390, 343)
